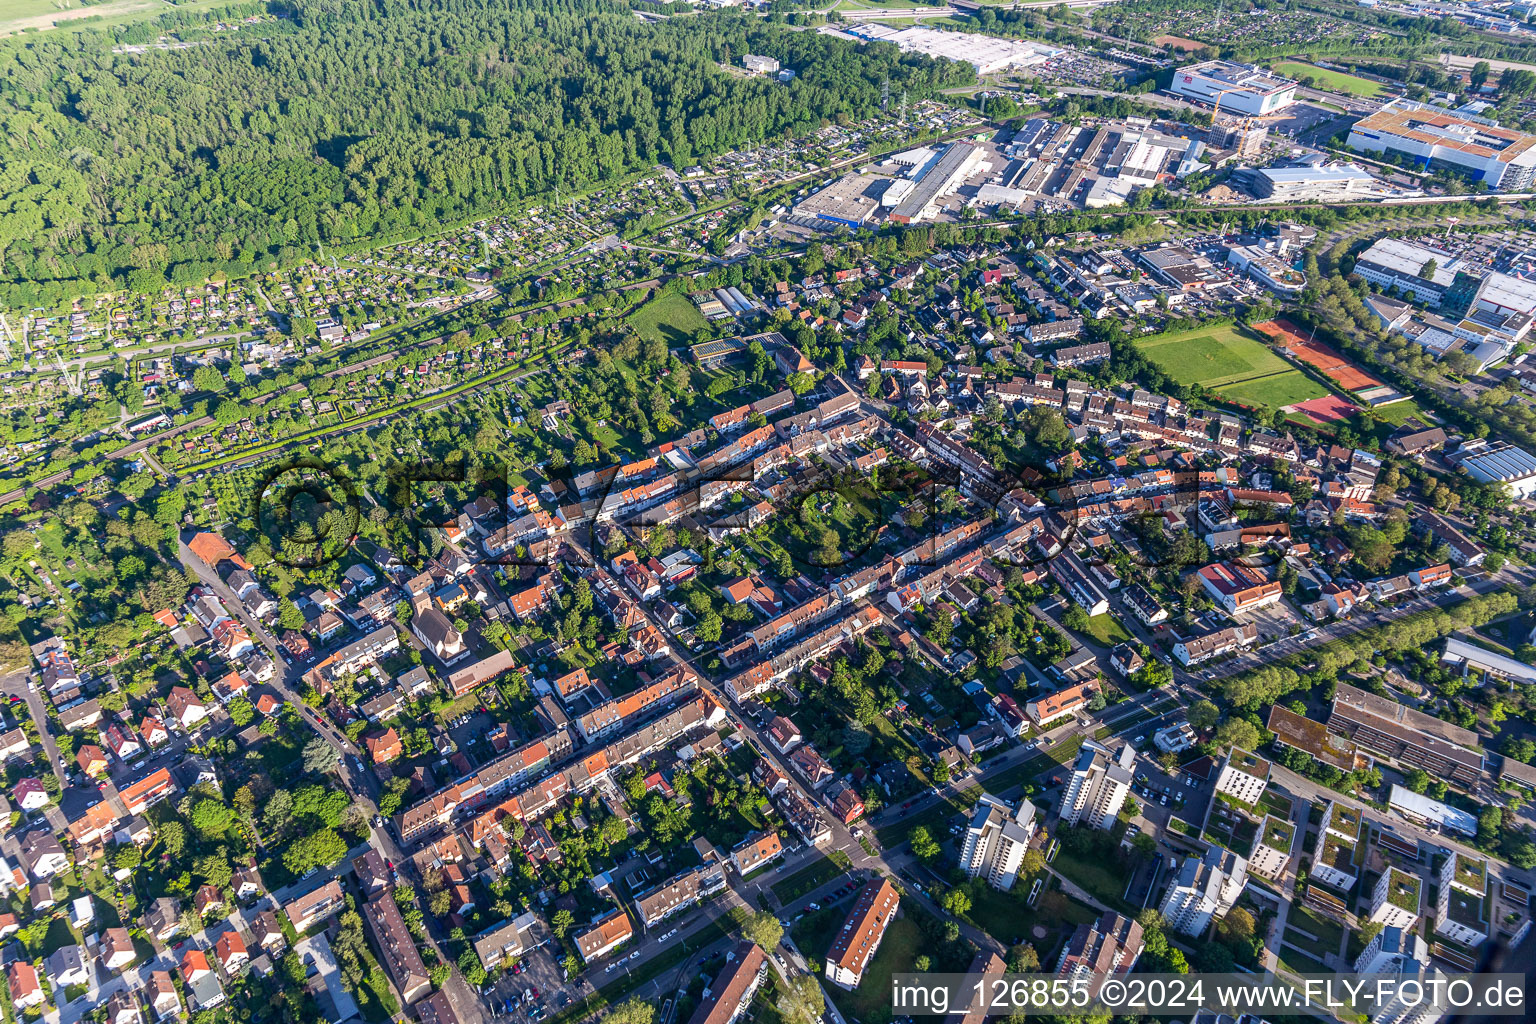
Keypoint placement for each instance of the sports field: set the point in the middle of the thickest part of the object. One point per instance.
(1342, 372)
(1334, 81)
(671, 317)
(1233, 363)
(1210, 358)
(1327, 409)
(1276, 391)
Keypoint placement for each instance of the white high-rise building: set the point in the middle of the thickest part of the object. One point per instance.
(1396, 900)
(996, 840)
(1097, 788)
(1207, 887)
(1272, 847)
(1334, 860)
(1390, 950)
(1243, 776)
(1461, 912)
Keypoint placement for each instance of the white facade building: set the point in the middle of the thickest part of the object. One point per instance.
(1396, 900)
(1502, 158)
(1098, 785)
(996, 840)
(1205, 889)
(1272, 847)
(1234, 88)
(1243, 776)
(1461, 912)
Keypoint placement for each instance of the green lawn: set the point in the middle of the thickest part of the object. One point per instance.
(871, 1001)
(932, 818)
(1105, 881)
(1107, 630)
(1298, 962)
(20, 15)
(671, 317)
(1210, 357)
(817, 873)
(1274, 391)
(1334, 81)
(1399, 413)
(1330, 934)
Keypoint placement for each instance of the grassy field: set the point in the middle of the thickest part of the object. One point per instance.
(817, 873)
(670, 317)
(1334, 81)
(1107, 630)
(1233, 363)
(1275, 391)
(871, 1001)
(39, 15)
(1221, 355)
(1399, 413)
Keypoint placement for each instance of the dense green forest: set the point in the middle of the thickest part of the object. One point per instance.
(351, 120)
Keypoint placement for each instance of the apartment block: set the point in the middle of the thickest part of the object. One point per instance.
(1462, 910)
(996, 840)
(1098, 785)
(1110, 945)
(1396, 900)
(1272, 847)
(727, 997)
(1243, 776)
(859, 938)
(1333, 857)
(1206, 888)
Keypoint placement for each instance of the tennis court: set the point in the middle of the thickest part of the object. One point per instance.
(1333, 364)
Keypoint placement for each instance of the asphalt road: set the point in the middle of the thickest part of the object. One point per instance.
(287, 681)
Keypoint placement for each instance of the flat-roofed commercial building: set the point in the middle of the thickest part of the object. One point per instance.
(1306, 184)
(1504, 464)
(1434, 814)
(1409, 267)
(937, 180)
(1499, 157)
(1235, 88)
(1406, 736)
(1470, 657)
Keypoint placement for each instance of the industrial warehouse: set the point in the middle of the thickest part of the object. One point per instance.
(987, 54)
(1046, 165)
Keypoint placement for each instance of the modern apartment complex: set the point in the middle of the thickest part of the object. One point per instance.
(1333, 858)
(1206, 888)
(996, 840)
(1098, 785)
(1461, 912)
(1243, 776)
